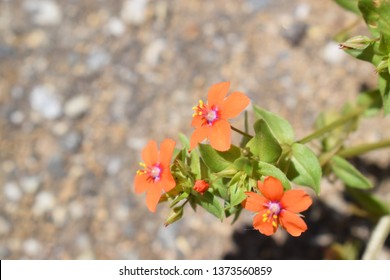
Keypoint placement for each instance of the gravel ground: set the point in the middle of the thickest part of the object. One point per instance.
(85, 84)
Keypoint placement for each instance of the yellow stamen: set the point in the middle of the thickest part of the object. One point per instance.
(275, 217)
(141, 172)
(274, 224)
(265, 219)
(142, 164)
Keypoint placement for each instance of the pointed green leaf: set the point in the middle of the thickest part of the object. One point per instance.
(264, 145)
(237, 194)
(347, 173)
(195, 164)
(266, 169)
(369, 202)
(279, 127)
(179, 198)
(351, 5)
(184, 141)
(211, 204)
(304, 167)
(217, 161)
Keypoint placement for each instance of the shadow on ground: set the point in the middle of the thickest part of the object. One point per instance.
(328, 232)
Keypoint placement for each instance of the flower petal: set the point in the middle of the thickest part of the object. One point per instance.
(294, 224)
(198, 136)
(296, 200)
(167, 180)
(254, 202)
(266, 227)
(233, 105)
(153, 196)
(272, 188)
(150, 153)
(141, 184)
(217, 93)
(220, 135)
(166, 151)
(197, 121)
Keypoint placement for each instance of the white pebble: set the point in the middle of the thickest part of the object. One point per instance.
(44, 12)
(12, 192)
(333, 54)
(44, 202)
(77, 106)
(116, 27)
(32, 247)
(45, 101)
(133, 11)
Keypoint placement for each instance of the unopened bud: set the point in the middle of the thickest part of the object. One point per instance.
(357, 43)
(201, 186)
(383, 65)
(175, 215)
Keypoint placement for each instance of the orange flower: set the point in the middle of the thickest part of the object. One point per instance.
(155, 175)
(276, 207)
(201, 186)
(210, 120)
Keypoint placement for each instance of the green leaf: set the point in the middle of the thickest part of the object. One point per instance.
(244, 164)
(195, 164)
(369, 202)
(384, 88)
(347, 173)
(263, 144)
(211, 204)
(279, 127)
(304, 167)
(237, 194)
(179, 198)
(377, 15)
(350, 5)
(184, 141)
(266, 169)
(218, 161)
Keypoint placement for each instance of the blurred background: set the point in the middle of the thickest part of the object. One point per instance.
(85, 84)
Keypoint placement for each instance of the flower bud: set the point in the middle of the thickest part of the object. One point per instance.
(356, 43)
(201, 186)
(175, 215)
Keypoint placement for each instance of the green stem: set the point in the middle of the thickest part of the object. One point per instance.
(330, 127)
(377, 239)
(241, 132)
(364, 148)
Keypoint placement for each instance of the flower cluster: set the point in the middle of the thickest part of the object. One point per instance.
(217, 171)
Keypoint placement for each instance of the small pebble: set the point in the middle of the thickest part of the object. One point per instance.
(12, 192)
(44, 12)
(77, 106)
(30, 185)
(44, 202)
(32, 247)
(133, 11)
(44, 100)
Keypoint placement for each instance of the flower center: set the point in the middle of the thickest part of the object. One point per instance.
(272, 214)
(209, 114)
(155, 172)
(274, 207)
